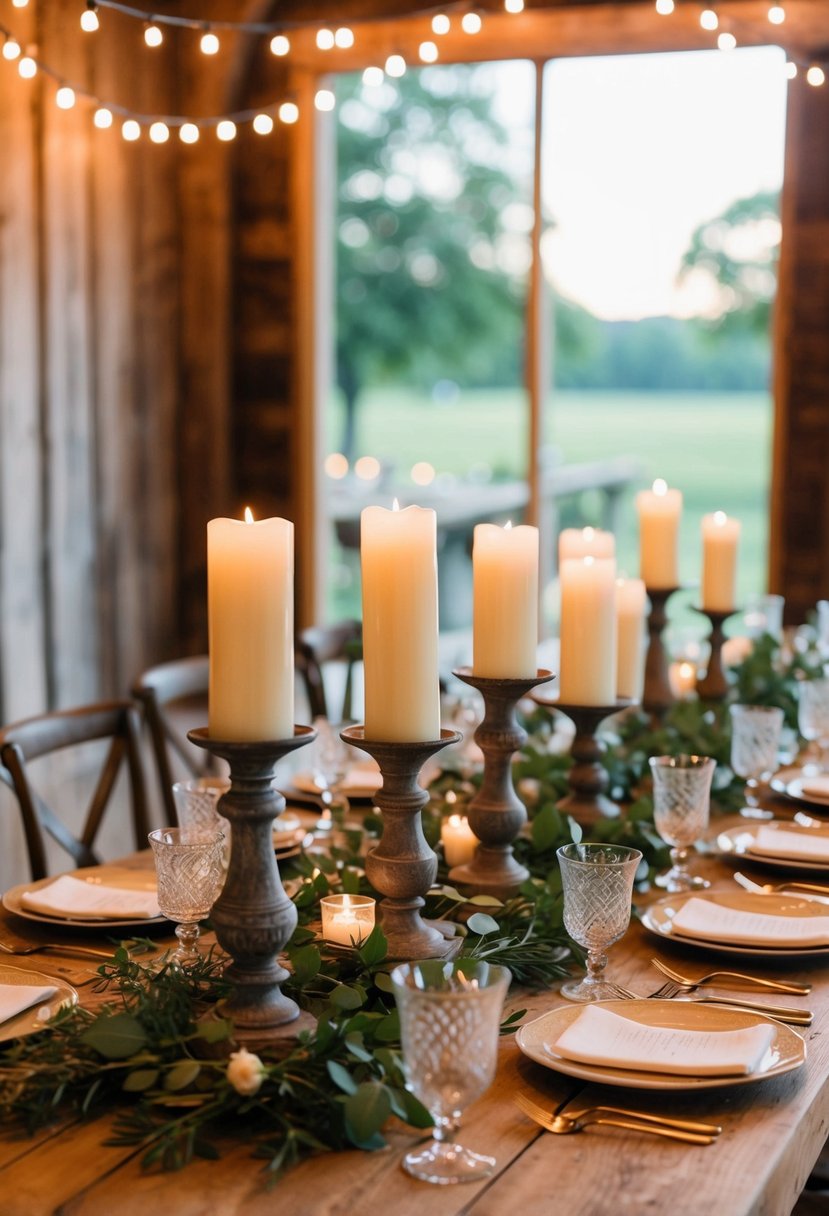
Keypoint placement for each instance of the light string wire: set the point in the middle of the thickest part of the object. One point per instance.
(264, 27)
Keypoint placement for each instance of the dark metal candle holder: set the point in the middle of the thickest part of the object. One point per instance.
(657, 697)
(496, 814)
(401, 866)
(253, 917)
(587, 801)
(714, 685)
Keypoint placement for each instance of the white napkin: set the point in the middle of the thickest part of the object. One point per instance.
(361, 777)
(817, 787)
(800, 846)
(717, 923)
(68, 896)
(14, 998)
(598, 1036)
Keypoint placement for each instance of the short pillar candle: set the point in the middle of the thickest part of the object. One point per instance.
(659, 512)
(347, 919)
(505, 604)
(720, 535)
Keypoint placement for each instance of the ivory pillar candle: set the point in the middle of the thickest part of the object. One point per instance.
(400, 624)
(630, 637)
(588, 631)
(585, 542)
(250, 608)
(505, 604)
(458, 840)
(719, 561)
(659, 511)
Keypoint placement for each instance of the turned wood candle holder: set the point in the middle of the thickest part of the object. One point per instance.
(657, 697)
(253, 917)
(587, 801)
(714, 684)
(402, 866)
(496, 814)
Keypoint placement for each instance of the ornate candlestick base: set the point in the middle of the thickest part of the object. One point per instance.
(496, 814)
(714, 686)
(253, 917)
(587, 802)
(657, 697)
(401, 866)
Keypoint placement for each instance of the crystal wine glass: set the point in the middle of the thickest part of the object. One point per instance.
(450, 1014)
(681, 802)
(331, 761)
(755, 741)
(598, 887)
(197, 807)
(813, 715)
(190, 873)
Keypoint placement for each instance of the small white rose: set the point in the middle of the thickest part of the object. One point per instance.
(245, 1072)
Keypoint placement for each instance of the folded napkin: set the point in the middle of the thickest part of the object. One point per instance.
(799, 846)
(361, 778)
(716, 923)
(815, 787)
(68, 896)
(598, 1036)
(14, 998)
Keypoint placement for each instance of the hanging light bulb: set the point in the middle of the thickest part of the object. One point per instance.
(428, 52)
(27, 67)
(726, 41)
(20, 3)
(441, 24)
(102, 118)
(325, 39)
(324, 100)
(664, 7)
(815, 76)
(708, 19)
(65, 97)
(395, 65)
(288, 112)
(153, 35)
(89, 20)
(471, 23)
(280, 45)
(209, 44)
(188, 133)
(791, 70)
(344, 37)
(131, 130)
(11, 49)
(373, 77)
(159, 132)
(226, 130)
(263, 124)
(777, 14)
(514, 6)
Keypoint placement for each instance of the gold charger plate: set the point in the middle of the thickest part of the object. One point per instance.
(737, 842)
(789, 782)
(360, 783)
(28, 1022)
(105, 875)
(786, 1051)
(659, 916)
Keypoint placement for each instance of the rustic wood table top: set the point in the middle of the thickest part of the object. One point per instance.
(773, 1133)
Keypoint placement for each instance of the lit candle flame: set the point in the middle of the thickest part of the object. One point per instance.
(395, 506)
(588, 533)
(248, 515)
(660, 487)
(508, 526)
(720, 518)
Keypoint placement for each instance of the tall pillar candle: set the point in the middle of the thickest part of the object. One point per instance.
(585, 542)
(630, 637)
(250, 608)
(719, 561)
(659, 511)
(505, 603)
(588, 631)
(400, 624)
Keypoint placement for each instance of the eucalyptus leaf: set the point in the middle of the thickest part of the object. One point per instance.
(341, 1077)
(366, 1111)
(115, 1036)
(181, 1075)
(382, 980)
(480, 923)
(485, 901)
(546, 828)
(306, 963)
(139, 1080)
(345, 997)
(374, 948)
(576, 833)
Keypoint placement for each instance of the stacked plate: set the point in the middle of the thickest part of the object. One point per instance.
(652, 1044)
(98, 897)
(742, 923)
(809, 789)
(28, 999)
(787, 846)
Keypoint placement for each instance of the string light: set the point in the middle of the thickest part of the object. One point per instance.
(20, 3)
(289, 112)
(102, 118)
(131, 130)
(65, 97)
(325, 39)
(209, 43)
(726, 41)
(189, 133)
(27, 67)
(471, 23)
(791, 70)
(153, 35)
(325, 100)
(159, 132)
(89, 20)
(441, 24)
(708, 19)
(263, 124)
(777, 14)
(514, 6)
(815, 76)
(373, 77)
(11, 49)
(428, 52)
(226, 130)
(280, 45)
(344, 37)
(664, 7)
(395, 66)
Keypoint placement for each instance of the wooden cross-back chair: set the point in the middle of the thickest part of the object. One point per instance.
(174, 697)
(34, 738)
(321, 644)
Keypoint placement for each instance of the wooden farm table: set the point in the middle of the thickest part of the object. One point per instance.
(773, 1132)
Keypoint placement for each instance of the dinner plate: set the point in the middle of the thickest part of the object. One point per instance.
(659, 916)
(737, 842)
(786, 1051)
(359, 782)
(789, 782)
(105, 875)
(286, 849)
(28, 1022)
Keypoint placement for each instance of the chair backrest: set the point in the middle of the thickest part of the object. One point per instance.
(181, 685)
(21, 742)
(320, 644)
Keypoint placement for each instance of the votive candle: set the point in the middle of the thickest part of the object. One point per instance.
(347, 918)
(458, 840)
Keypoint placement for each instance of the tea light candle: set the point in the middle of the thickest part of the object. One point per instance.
(505, 603)
(458, 840)
(398, 551)
(682, 677)
(719, 561)
(585, 542)
(630, 637)
(347, 918)
(588, 632)
(250, 609)
(659, 510)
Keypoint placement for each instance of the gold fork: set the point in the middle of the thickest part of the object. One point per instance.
(611, 1116)
(775, 888)
(689, 985)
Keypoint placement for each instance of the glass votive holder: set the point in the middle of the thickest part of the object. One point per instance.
(458, 840)
(347, 919)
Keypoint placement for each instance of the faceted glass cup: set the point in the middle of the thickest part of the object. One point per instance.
(597, 880)
(755, 743)
(681, 803)
(190, 873)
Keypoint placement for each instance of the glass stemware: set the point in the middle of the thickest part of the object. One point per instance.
(755, 742)
(597, 880)
(681, 802)
(813, 716)
(450, 1015)
(190, 873)
(331, 761)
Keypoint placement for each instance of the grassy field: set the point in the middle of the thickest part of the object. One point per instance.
(714, 447)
